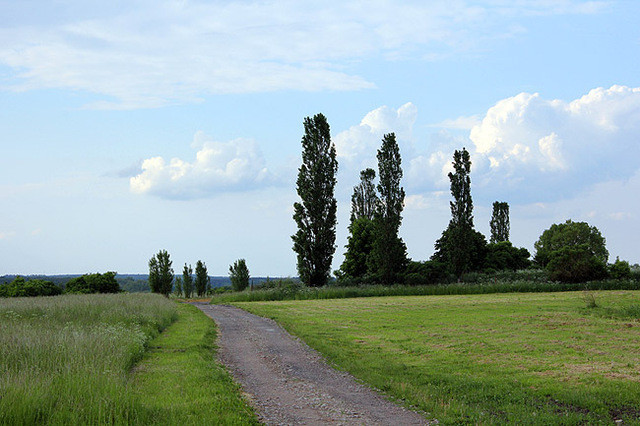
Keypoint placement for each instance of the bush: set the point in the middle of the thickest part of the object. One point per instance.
(503, 255)
(94, 283)
(620, 270)
(575, 264)
(19, 287)
(425, 273)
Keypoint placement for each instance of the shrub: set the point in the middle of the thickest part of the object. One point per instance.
(94, 283)
(19, 287)
(620, 270)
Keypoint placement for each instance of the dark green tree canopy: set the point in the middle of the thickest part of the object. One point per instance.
(315, 214)
(388, 258)
(364, 201)
(570, 234)
(500, 222)
(359, 246)
(94, 283)
(20, 287)
(161, 273)
(202, 278)
(187, 281)
(504, 256)
(239, 275)
(462, 205)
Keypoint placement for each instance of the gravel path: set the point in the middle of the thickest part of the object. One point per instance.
(289, 383)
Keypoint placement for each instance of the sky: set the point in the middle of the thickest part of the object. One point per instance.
(127, 127)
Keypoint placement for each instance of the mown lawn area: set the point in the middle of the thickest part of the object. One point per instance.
(543, 358)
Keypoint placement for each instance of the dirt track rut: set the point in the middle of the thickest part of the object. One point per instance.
(290, 384)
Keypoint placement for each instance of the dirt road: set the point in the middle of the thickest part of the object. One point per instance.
(290, 384)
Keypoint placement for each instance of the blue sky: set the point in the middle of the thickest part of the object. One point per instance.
(129, 127)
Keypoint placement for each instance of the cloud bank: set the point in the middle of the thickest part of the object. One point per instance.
(140, 54)
(236, 165)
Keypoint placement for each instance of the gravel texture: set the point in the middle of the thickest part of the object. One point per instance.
(289, 383)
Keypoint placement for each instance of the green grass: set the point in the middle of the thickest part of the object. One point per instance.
(72, 360)
(180, 382)
(300, 292)
(543, 358)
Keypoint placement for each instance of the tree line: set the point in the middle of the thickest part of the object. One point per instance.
(375, 253)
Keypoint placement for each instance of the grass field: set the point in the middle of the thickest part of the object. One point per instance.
(543, 358)
(73, 360)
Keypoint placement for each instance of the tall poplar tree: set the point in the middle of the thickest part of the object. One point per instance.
(187, 281)
(202, 278)
(161, 273)
(461, 247)
(499, 222)
(364, 201)
(389, 254)
(315, 214)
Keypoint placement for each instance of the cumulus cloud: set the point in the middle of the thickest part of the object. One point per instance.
(218, 167)
(144, 53)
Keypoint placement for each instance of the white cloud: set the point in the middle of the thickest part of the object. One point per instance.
(152, 53)
(218, 167)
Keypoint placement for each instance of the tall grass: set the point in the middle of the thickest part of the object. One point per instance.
(300, 292)
(66, 359)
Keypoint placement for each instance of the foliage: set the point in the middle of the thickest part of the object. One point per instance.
(426, 273)
(481, 359)
(359, 247)
(570, 234)
(574, 264)
(20, 287)
(239, 275)
(202, 278)
(503, 255)
(461, 247)
(94, 283)
(620, 270)
(499, 222)
(161, 273)
(364, 201)
(315, 214)
(388, 258)
(177, 288)
(187, 281)
(69, 359)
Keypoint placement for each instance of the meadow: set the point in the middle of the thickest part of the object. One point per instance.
(86, 359)
(537, 358)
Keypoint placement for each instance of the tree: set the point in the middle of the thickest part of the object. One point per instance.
(620, 270)
(177, 288)
(572, 252)
(388, 258)
(19, 287)
(239, 275)
(570, 234)
(187, 281)
(161, 273)
(461, 247)
(202, 278)
(94, 283)
(503, 255)
(315, 214)
(364, 201)
(499, 222)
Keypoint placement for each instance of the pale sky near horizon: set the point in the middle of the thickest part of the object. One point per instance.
(133, 126)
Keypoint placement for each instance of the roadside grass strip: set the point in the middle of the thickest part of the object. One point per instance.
(179, 381)
(537, 358)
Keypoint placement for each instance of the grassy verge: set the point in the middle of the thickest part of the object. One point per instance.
(179, 381)
(300, 292)
(71, 360)
(543, 358)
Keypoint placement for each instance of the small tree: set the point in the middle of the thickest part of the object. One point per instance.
(202, 278)
(499, 222)
(187, 281)
(177, 288)
(388, 258)
(94, 283)
(570, 234)
(239, 275)
(315, 214)
(161, 273)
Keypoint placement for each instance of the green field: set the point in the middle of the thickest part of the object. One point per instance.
(544, 358)
(99, 359)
